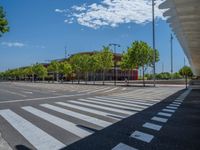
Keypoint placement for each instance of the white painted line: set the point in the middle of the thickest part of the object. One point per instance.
(34, 135)
(152, 126)
(170, 107)
(122, 146)
(178, 100)
(90, 110)
(98, 90)
(164, 114)
(105, 102)
(169, 110)
(14, 93)
(159, 119)
(111, 90)
(103, 107)
(123, 89)
(41, 98)
(126, 101)
(69, 126)
(27, 92)
(142, 136)
(86, 118)
(119, 102)
(176, 105)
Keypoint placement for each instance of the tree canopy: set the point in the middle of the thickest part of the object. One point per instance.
(3, 22)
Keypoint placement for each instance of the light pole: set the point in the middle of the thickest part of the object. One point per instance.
(115, 62)
(154, 54)
(171, 44)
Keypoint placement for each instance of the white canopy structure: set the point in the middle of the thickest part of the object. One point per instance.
(183, 17)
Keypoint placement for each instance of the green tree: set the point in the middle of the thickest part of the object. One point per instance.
(141, 55)
(186, 72)
(65, 69)
(3, 22)
(106, 59)
(126, 65)
(40, 71)
(95, 64)
(53, 68)
(75, 62)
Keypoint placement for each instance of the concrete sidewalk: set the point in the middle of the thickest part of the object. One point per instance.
(171, 124)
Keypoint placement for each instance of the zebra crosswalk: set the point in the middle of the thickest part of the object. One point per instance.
(79, 117)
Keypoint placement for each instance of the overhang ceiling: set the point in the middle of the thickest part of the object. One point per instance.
(183, 17)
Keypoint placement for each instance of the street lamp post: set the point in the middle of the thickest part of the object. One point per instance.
(154, 55)
(115, 62)
(171, 43)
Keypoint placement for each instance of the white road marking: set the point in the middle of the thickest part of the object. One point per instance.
(103, 107)
(176, 105)
(110, 90)
(34, 135)
(142, 136)
(124, 89)
(178, 100)
(119, 102)
(41, 98)
(14, 93)
(170, 107)
(90, 110)
(152, 126)
(126, 100)
(164, 114)
(98, 90)
(169, 110)
(27, 92)
(122, 146)
(69, 126)
(159, 119)
(86, 118)
(112, 105)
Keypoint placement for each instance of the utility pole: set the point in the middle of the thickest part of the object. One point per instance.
(171, 43)
(115, 62)
(184, 61)
(154, 54)
(65, 52)
(162, 67)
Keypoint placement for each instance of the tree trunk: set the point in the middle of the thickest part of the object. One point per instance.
(78, 78)
(103, 76)
(94, 74)
(186, 82)
(143, 76)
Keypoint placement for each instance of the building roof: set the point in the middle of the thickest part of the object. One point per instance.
(183, 17)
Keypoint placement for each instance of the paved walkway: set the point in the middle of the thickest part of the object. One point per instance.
(171, 124)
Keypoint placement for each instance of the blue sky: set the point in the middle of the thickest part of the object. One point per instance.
(40, 29)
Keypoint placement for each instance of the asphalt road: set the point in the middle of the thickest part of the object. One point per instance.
(53, 116)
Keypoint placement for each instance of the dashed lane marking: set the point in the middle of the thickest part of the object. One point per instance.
(159, 119)
(152, 126)
(169, 110)
(164, 114)
(142, 136)
(122, 146)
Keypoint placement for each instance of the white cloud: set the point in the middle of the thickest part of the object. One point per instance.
(113, 13)
(60, 10)
(13, 44)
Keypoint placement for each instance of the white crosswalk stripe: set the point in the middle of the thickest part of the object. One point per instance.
(94, 111)
(103, 107)
(37, 137)
(69, 126)
(104, 102)
(86, 118)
